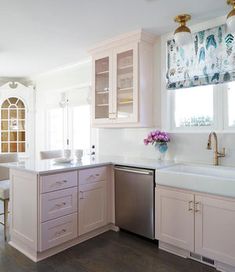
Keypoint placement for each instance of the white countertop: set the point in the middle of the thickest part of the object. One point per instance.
(49, 166)
(218, 186)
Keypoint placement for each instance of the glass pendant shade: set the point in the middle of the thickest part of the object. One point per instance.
(182, 34)
(183, 38)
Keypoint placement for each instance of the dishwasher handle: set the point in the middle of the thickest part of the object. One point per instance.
(134, 170)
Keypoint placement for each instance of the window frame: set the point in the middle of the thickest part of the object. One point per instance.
(220, 112)
(67, 120)
(172, 125)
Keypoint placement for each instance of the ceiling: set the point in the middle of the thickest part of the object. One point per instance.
(40, 35)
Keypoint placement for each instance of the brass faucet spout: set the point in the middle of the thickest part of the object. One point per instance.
(217, 154)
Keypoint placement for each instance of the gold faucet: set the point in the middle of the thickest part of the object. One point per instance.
(217, 154)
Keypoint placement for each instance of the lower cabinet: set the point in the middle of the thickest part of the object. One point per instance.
(58, 231)
(215, 228)
(200, 223)
(92, 206)
(175, 218)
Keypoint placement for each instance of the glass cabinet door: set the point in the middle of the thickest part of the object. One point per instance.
(102, 88)
(125, 85)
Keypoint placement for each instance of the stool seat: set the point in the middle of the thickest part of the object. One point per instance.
(4, 189)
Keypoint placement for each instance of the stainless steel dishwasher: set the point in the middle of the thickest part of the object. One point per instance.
(134, 200)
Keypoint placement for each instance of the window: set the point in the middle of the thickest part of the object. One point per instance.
(81, 127)
(193, 107)
(202, 108)
(55, 128)
(231, 107)
(13, 134)
(69, 127)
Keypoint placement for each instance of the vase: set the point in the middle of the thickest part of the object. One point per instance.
(162, 149)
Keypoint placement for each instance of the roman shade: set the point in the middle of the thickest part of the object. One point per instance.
(208, 59)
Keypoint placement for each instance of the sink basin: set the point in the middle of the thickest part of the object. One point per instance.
(214, 171)
(208, 179)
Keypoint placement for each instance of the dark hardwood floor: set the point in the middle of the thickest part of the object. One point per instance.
(109, 252)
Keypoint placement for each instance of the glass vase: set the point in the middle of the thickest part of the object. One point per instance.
(161, 149)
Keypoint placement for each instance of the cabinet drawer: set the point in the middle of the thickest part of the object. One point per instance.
(92, 175)
(58, 181)
(58, 231)
(58, 203)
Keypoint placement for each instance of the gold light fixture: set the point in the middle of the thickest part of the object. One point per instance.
(182, 34)
(231, 16)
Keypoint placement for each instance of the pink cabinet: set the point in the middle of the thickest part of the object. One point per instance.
(58, 231)
(214, 228)
(58, 203)
(122, 81)
(58, 209)
(200, 223)
(50, 183)
(175, 218)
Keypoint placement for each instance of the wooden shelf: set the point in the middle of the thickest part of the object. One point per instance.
(125, 89)
(102, 92)
(125, 102)
(125, 67)
(102, 73)
(102, 105)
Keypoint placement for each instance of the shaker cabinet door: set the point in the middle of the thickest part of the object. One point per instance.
(92, 207)
(175, 218)
(214, 228)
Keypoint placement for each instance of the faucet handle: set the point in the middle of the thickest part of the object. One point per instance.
(222, 154)
(208, 145)
(223, 151)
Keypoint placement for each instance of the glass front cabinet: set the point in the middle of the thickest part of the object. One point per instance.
(122, 82)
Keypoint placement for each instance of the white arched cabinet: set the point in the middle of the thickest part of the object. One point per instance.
(17, 119)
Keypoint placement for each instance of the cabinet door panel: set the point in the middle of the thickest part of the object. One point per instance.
(175, 218)
(92, 207)
(125, 90)
(102, 88)
(214, 229)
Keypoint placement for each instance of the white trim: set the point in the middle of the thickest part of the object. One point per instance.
(61, 68)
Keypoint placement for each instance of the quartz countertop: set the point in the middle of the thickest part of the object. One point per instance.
(50, 166)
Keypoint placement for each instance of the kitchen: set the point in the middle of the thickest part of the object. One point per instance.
(92, 120)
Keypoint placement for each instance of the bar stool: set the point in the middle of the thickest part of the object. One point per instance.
(4, 196)
(5, 187)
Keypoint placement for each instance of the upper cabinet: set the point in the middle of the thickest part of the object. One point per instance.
(122, 81)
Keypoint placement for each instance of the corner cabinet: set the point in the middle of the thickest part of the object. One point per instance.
(122, 81)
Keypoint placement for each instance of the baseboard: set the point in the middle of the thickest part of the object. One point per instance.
(39, 256)
(174, 250)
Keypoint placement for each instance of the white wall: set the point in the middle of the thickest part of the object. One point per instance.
(189, 147)
(129, 142)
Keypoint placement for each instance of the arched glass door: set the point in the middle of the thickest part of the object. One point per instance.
(13, 133)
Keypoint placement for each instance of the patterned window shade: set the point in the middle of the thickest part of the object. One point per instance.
(209, 59)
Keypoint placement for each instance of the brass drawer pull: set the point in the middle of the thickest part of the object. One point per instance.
(190, 206)
(197, 207)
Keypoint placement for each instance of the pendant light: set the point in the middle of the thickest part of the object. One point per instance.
(182, 34)
(231, 16)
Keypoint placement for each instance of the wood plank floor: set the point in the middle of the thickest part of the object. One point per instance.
(109, 252)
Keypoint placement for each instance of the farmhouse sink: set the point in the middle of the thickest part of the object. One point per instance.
(209, 179)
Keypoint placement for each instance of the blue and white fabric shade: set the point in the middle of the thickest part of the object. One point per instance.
(208, 59)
